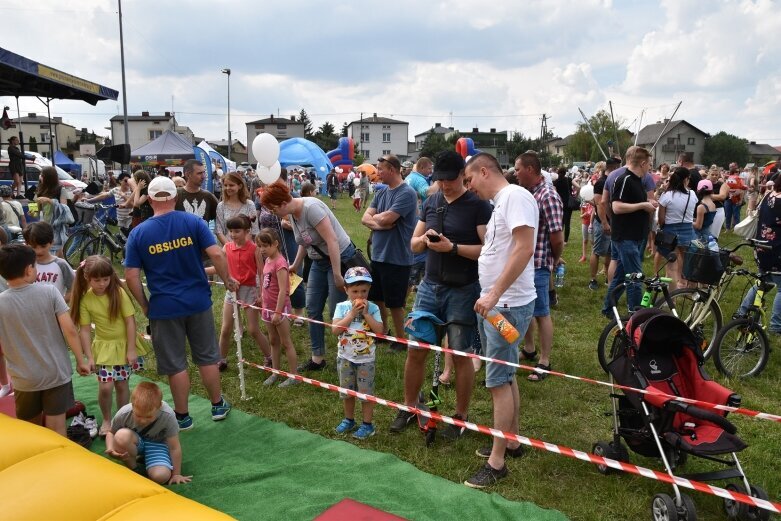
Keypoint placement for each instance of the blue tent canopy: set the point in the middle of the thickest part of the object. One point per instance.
(299, 151)
(64, 162)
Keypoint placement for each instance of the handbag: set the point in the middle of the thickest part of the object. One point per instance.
(668, 241)
(358, 259)
(747, 228)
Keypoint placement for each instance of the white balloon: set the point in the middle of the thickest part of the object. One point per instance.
(587, 192)
(268, 175)
(265, 148)
(322, 169)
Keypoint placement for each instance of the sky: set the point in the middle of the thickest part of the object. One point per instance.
(465, 64)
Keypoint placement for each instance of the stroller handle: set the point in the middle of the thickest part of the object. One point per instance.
(702, 414)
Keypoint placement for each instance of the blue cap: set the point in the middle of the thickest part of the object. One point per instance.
(357, 274)
(420, 324)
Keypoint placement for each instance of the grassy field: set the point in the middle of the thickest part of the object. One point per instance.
(556, 410)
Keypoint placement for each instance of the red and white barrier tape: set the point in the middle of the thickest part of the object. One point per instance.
(538, 444)
(432, 347)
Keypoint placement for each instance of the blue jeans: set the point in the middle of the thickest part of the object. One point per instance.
(775, 317)
(495, 346)
(731, 214)
(319, 289)
(629, 260)
(451, 304)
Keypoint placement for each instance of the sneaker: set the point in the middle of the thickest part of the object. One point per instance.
(92, 426)
(268, 362)
(485, 452)
(453, 432)
(289, 382)
(397, 346)
(222, 365)
(486, 476)
(271, 379)
(345, 426)
(219, 412)
(402, 420)
(5, 390)
(186, 423)
(311, 365)
(364, 431)
(593, 285)
(298, 322)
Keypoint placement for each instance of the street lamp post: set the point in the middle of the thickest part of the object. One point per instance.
(228, 72)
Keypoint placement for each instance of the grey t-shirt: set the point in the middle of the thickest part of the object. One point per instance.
(305, 232)
(165, 424)
(35, 351)
(56, 272)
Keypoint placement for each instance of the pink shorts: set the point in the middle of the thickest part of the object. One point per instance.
(267, 314)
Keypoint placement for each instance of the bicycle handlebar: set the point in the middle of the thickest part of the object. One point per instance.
(757, 244)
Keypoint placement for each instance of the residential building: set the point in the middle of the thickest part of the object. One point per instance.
(493, 142)
(680, 136)
(238, 150)
(760, 153)
(558, 146)
(378, 136)
(280, 128)
(38, 127)
(145, 128)
(436, 129)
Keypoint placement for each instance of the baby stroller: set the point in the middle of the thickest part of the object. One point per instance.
(663, 356)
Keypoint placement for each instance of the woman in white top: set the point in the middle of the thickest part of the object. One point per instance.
(676, 215)
(235, 201)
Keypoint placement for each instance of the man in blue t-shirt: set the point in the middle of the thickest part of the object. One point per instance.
(391, 217)
(168, 247)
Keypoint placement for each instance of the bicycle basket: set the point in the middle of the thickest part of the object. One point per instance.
(85, 212)
(704, 266)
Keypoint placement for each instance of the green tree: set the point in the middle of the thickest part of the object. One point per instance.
(326, 137)
(345, 126)
(32, 146)
(722, 149)
(303, 117)
(582, 147)
(434, 144)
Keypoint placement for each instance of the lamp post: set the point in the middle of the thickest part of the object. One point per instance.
(228, 72)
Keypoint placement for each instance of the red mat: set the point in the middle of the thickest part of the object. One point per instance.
(355, 511)
(8, 406)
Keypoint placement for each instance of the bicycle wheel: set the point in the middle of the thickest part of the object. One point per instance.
(71, 250)
(610, 344)
(741, 348)
(704, 321)
(97, 246)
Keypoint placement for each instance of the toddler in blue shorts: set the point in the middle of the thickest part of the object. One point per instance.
(147, 428)
(355, 355)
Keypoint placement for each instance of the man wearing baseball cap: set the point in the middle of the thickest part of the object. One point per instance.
(168, 247)
(450, 229)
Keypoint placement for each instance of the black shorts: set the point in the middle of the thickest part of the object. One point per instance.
(389, 284)
(50, 402)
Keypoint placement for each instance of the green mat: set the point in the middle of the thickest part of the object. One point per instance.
(252, 468)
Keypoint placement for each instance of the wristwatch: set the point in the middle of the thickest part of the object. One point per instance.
(454, 249)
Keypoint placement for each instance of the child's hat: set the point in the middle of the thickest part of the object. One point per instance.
(357, 274)
(420, 324)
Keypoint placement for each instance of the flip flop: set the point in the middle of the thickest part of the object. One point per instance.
(539, 377)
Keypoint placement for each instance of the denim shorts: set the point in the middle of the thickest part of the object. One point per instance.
(495, 346)
(542, 285)
(601, 240)
(451, 305)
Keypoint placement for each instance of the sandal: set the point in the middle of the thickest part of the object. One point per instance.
(526, 355)
(445, 382)
(539, 377)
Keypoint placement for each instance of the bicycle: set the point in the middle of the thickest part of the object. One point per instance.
(699, 307)
(654, 286)
(742, 347)
(91, 234)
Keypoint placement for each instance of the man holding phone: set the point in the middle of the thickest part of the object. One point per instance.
(451, 229)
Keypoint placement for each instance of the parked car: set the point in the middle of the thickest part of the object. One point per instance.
(33, 171)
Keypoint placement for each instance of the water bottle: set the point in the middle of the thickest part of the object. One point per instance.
(560, 271)
(507, 330)
(712, 244)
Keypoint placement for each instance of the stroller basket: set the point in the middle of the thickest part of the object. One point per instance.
(85, 212)
(704, 266)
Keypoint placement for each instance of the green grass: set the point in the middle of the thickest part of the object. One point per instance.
(559, 411)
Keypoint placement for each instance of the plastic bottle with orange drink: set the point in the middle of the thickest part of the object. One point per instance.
(505, 328)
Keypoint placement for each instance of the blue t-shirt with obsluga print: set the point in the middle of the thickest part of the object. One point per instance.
(392, 246)
(168, 248)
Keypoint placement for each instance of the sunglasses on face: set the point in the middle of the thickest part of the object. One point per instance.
(391, 162)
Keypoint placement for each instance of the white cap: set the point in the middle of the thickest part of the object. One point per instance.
(162, 185)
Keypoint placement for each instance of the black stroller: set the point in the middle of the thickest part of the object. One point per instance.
(661, 354)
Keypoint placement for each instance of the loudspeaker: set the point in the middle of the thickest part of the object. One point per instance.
(115, 153)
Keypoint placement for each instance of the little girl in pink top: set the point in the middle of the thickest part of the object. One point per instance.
(275, 300)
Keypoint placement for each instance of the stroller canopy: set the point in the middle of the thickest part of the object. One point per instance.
(656, 332)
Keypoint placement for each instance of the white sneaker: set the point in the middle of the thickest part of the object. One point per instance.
(271, 379)
(92, 426)
(5, 390)
(289, 382)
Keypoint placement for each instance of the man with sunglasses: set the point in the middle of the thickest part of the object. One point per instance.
(391, 217)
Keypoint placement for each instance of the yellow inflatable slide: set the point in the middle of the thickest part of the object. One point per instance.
(44, 476)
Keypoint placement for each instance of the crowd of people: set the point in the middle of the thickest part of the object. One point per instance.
(468, 238)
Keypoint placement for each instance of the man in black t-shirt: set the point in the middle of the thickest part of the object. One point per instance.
(332, 186)
(630, 223)
(192, 198)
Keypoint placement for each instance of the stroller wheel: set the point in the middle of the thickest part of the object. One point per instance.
(663, 508)
(753, 513)
(689, 511)
(734, 509)
(608, 450)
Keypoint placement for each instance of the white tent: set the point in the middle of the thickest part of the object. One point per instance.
(209, 150)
